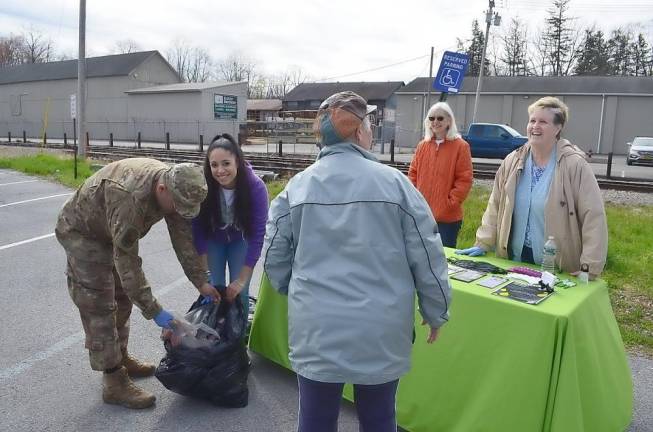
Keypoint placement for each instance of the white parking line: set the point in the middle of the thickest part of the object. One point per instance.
(28, 363)
(10, 245)
(35, 199)
(18, 182)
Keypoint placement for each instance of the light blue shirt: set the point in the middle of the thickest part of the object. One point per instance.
(528, 223)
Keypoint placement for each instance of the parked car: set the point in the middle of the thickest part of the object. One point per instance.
(488, 140)
(640, 151)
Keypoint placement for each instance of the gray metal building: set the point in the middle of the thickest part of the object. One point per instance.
(307, 98)
(126, 94)
(605, 112)
(187, 110)
(35, 98)
(263, 109)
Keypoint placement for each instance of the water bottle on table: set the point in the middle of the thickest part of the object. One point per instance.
(549, 256)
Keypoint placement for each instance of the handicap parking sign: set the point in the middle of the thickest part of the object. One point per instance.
(451, 72)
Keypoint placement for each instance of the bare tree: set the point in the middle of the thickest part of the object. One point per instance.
(259, 87)
(199, 66)
(36, 47)
(492, 56)
(281, 84)
(193, 64)
(126, 46)
(178, 55)
(238, 67)
(62, 56)
(11, 50)
(515, 47)
(539, 54)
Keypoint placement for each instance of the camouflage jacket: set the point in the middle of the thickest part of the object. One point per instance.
(103, 221)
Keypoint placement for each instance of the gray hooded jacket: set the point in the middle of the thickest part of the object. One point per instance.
(350, 241)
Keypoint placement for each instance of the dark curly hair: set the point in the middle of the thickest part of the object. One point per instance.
(210, 216)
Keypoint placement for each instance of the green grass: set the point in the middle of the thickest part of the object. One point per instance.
(274, 187)
(627, 272)
(628, 267)
(47, 165)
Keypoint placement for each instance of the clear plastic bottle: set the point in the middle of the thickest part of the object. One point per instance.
(584, 275)
(549, 256)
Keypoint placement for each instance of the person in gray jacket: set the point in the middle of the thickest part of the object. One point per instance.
(350, 241)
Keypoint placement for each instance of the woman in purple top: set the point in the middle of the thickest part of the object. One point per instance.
(230, 227)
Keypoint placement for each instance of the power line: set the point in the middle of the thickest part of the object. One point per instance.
(374, 69)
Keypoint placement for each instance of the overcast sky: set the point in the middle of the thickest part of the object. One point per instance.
(328, 39)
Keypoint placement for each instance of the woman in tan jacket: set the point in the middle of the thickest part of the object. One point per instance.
(545, 188)
(442, 171)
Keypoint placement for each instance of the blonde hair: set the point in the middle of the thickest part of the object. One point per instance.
(557, 107)
(452, 132)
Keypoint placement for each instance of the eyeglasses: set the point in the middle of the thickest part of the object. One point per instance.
(438, 118)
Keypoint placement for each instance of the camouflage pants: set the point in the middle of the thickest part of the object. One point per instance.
(104, 308)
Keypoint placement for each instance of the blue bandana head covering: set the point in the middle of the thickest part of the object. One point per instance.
(328, 134)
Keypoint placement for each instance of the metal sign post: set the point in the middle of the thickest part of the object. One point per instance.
(73, 115)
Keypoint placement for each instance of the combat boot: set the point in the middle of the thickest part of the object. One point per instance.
(136, 368)
(118, 389)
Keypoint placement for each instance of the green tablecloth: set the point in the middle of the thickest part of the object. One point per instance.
(500, 365)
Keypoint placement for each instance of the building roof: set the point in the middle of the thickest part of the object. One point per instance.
(184, 87)
(263, 104)
(578, 84)
(321, 91)
(105, 66)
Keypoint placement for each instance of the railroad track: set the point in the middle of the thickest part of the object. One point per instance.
(291, 164)
(287, 165)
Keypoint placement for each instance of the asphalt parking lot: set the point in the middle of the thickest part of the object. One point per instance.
(45, 381)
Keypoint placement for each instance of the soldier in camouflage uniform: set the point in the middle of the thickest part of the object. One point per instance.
(99, 227)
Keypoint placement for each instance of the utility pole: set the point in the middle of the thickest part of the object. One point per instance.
(428, 98)
(81, 81)
(489, 17)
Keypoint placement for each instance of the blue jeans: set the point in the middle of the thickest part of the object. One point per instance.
(527, 255)
(319, 406)
(449, 233)
(233, 254)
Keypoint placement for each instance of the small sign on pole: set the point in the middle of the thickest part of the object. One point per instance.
(73, 106)
(451, 72)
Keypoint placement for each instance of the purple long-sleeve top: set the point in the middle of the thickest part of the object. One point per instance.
(258, 218)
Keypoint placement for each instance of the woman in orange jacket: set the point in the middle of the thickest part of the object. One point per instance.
(442, 170)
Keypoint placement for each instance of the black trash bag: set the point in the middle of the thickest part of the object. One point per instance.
(216, 370)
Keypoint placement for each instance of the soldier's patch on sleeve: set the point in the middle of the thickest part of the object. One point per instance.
(127, 237)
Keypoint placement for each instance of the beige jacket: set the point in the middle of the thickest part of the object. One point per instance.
(574, 212)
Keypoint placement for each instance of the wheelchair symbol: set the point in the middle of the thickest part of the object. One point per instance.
(449, 77)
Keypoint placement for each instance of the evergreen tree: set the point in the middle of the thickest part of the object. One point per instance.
(641, 56)
(560, 37)
(620, 56)
(474, 50)
(593, 57)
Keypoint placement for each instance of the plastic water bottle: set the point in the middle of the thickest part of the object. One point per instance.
(549, 256)
(584, 275)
